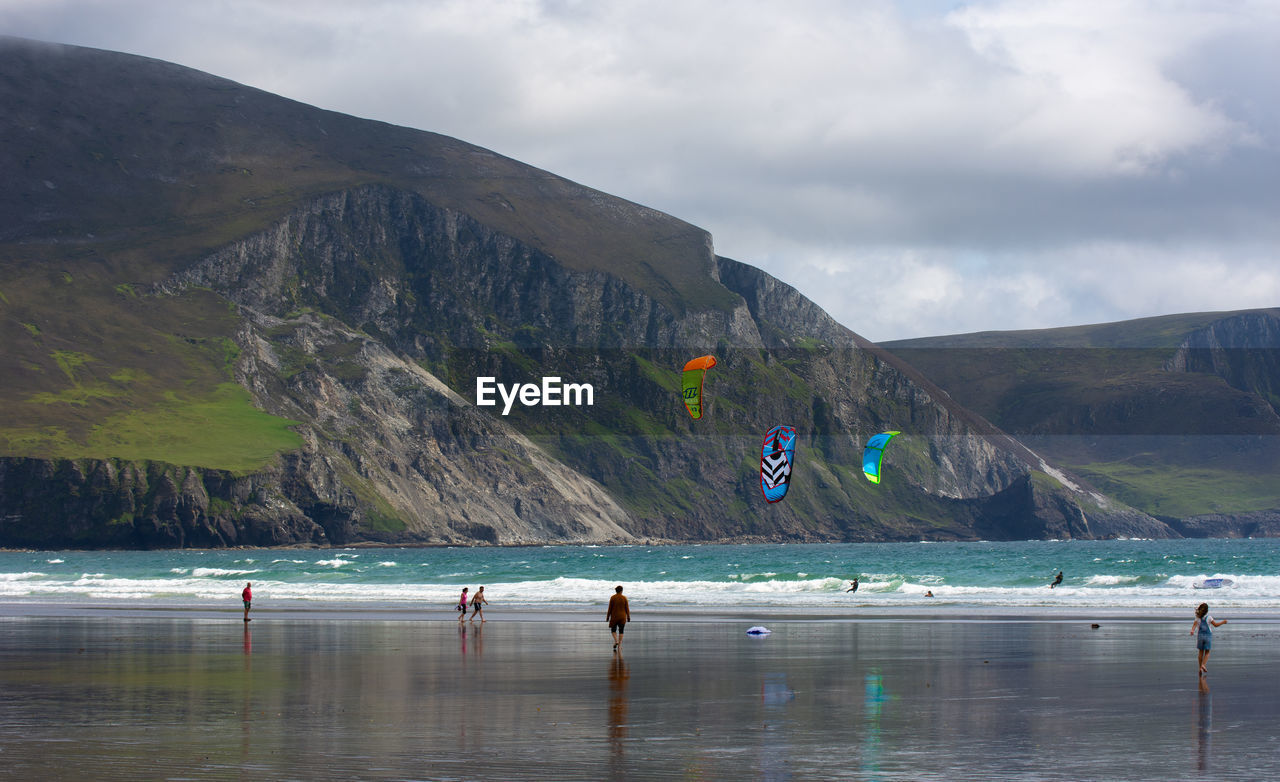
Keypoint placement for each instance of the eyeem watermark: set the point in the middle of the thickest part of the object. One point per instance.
(551, 393)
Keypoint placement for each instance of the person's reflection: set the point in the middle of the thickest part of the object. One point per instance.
(873, 701)
(1204, 725)
(776, 696)
(619, 673)
(246, 705)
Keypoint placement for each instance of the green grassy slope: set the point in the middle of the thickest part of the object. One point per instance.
(120, 170)
(1099, 399)
(94, 370)
(1160, 332)
(158, 162)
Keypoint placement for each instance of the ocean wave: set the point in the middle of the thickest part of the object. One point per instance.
(810, 594)
(1111, 580)
(790, 579)
(213, 572)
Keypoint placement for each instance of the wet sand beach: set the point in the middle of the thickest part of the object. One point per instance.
(330, 696)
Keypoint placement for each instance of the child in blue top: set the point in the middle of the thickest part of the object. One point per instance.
(1202, 629)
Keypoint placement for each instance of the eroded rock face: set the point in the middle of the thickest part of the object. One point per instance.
(368, 314)
(1243, 350)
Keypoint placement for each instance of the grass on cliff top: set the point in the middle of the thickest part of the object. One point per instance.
(95, 370)
(1161, 332)
(1181, 491)
(221, 430)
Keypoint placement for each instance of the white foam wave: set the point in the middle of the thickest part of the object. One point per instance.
(210, 587)
(206, 572)
(1110, 580)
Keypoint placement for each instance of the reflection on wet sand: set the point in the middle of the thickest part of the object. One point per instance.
(775, 696)
(1204, 725)
(619, 675)
(873, 698)
(338, 699)
(246, 704)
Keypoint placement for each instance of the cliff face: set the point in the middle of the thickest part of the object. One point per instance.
(448, 294)
(374, 274)
(1243, 350)
(1177, 415)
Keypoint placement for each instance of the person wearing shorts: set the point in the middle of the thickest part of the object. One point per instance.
(247, 597)
(477, 600)
(462, 605)
(618, 616)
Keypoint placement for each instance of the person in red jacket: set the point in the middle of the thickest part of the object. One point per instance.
(247, 596)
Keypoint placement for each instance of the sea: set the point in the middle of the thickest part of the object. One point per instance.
(1128, 577)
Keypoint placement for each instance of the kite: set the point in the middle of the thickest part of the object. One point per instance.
(694, 371)
(873, 454)
(776, 458)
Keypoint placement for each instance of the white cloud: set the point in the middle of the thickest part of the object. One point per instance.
(1094, 77)
(1000, 165)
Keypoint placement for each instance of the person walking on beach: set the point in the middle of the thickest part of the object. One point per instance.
(462, 605)
(1202, 629)
(853, 587)
(247, 597)
(1057, 580)
(477, 600)
(618, 616)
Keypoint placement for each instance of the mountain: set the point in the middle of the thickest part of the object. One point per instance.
(232, 319)
(1177, 415)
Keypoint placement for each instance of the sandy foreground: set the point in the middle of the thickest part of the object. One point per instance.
(334, 695)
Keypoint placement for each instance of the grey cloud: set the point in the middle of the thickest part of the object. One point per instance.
(987, 166)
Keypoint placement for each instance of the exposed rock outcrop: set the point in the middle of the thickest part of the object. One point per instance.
(376, 272)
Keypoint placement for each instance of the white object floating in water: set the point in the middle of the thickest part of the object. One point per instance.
(758, 630)
(1213, 583)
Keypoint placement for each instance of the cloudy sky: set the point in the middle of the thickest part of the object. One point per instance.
(916, 168)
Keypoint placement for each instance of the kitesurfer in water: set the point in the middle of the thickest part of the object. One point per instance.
(1057, 580)
(618, 615)
(853, 587)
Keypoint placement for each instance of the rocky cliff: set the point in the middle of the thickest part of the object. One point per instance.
(447, 293)
(1244, 350)
(369, 284)
(1177, 415)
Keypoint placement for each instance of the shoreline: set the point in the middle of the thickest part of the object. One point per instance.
(509, 613)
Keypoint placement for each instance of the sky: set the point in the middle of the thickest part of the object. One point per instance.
(916, 168)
